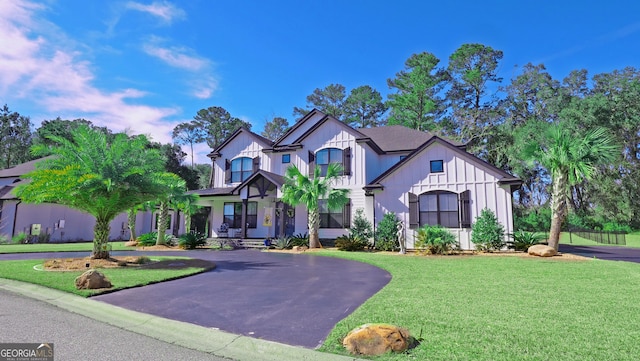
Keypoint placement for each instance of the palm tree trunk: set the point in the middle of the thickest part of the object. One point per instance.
(187, 222)
(558, 207)
(163, 215)
(131, 220)
(314, 224)
(101, 239)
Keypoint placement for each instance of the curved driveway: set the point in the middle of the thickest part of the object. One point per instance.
(609, 253)
(289, 298)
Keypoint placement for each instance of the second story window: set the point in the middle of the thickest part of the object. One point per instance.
(326, 156)
(241, 169)
(286, 158)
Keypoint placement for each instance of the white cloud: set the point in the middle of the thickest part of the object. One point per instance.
(36, 67)
(161, 9)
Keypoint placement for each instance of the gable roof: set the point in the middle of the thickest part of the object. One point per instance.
(21, 169)
(259, 138)
(506, 178)
(276, 179)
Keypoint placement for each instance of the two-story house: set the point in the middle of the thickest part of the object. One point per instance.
(422, 178)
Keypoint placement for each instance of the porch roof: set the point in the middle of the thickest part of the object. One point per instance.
(213, 191)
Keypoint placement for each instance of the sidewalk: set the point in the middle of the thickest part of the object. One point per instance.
(187, 335)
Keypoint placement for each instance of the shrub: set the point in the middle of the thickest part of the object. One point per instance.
(192, 240)
(386, 238)
(535, 219)
(43, 238)
(149, 239)
(487, 233)
(351, 243)
(616, 227)
(283, 242)
(300, 240)
(4, 239)
(522, 240)
(19, 238)
(362, 228)
(435, 240)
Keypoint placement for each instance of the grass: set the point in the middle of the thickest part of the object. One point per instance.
(58, 247)
(121, 278)
(632, 240)
(503, 308)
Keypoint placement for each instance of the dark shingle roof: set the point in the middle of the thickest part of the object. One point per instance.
(396, 137)
(21, 169)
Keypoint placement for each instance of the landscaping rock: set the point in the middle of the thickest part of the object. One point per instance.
(300, 248)
(91, 280)
(131, 244)
(542, 251)
(377, 339)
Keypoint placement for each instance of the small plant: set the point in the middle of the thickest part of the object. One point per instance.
(43, 238)
(362, 228)
(300, 240)
(435, 240)
(351, 243)
(283, 242)
(19, 238)
(386, 238)
(487, 233)
(522, 240)
(149, 239)
(192, 240)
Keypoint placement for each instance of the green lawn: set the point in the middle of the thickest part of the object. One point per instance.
(126, 277)
(503, 308)
(58, 247)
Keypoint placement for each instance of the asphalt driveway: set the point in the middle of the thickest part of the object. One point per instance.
(289, 298)
(609, 253)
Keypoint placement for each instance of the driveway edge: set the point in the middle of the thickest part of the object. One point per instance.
(215, 342)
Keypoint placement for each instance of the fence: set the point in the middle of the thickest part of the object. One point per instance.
(604, 237)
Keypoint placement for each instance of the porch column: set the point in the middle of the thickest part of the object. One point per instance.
(243, 225)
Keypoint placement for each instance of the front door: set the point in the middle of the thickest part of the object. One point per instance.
(285, 220)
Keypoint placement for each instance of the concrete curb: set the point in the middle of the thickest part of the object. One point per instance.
(215, 342)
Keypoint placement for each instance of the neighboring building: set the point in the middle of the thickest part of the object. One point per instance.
(422, 178)
(61, 223)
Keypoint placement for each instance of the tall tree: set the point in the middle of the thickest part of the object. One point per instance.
(472, 104)
(189, 134)
(175, 191)
(301, 189)
(63, 128)
(569, 158)
(96, 176)
(364, 107)
(218, 124)
(174, 163)
(329, 100)
(15, 138)
(275, 128)
(415, 103)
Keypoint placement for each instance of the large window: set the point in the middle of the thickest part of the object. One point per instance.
(326, 156)
(233, 214)
(241, 169)
(331, 218)
(439, 207)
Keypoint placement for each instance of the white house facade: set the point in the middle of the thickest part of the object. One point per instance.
(422, 178)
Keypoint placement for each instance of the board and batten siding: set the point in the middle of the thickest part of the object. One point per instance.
(461, 173)
(244, 145)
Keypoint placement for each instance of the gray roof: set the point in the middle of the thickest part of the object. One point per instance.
(213, 191)
(21, 169)
(397, 137)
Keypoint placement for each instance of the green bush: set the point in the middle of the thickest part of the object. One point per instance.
(283, 242)
(487, 233)
(386, 238)
(616, 227)
(362, 228)
(522, 240)
(532, 219)
(149, 239)
(300, 240)
(435, 240)
(351, 243)
(19, 238)
(43, 238)
(192, 240)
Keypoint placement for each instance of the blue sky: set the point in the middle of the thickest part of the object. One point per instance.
(147, 65)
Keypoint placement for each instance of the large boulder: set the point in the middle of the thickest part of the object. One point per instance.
(91, 280)
(542, 251)
(377, 339)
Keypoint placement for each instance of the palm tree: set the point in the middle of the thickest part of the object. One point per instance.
(176, 188)
(300, 189)
(98, 175)
(187, 204)
(569, 159)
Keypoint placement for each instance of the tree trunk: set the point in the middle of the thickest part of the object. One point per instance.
(131, 220)
(314, 224)
(101, 239)
(558, 207)
(163, 215)
(187, 222)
